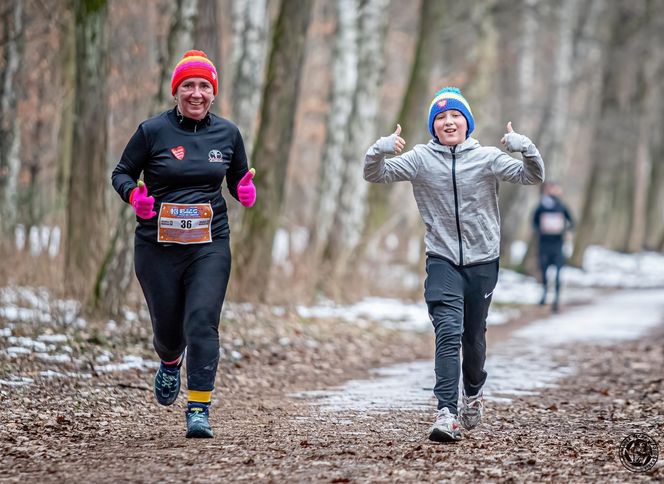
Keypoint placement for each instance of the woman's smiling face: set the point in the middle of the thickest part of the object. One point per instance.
(194, 97)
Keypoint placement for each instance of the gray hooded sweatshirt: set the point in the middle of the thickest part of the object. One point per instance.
(456, 190)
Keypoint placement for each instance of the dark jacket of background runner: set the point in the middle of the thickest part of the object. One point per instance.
(551, 220)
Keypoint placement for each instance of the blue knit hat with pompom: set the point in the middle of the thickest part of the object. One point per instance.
(450, 98)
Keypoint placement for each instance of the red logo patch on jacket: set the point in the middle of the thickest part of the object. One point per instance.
(178, 152)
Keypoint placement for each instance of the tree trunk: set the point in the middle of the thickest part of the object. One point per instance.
(249, 48)
(10, 136)
(206, 32)
(603, 148)
(344, 83)
(650, 91)
(655, 203)
(115, 274)
(271, 153)
(552, 144)
(86, 211)
(553, 136)
(67, 52)
(415, 107)
(351, 212)
(654, 237)
(514, 197)
(180, 39)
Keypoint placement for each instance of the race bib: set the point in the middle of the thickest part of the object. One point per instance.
(552, 223)
(184, 223)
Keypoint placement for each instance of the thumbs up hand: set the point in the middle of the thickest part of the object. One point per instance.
(514, 141)
(142, 204)
(246, 190)
(393, 144)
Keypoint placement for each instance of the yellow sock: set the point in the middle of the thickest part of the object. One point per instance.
(197, 396)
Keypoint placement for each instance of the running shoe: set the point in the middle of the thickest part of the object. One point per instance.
(198, 425)
(472, 409)
(446, 428)
(167, 384)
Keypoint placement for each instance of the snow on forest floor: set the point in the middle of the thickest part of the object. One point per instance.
(603, 269)
(532, 358)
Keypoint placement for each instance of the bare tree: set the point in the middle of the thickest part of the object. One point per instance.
(344, 83)
(249, 47)
(67, 56)
(514, 197)
(648, 87)
(271, 153)
(415, 105)
(10, 137)
(183, 15)
(554, 129)
(86, 211)
(654, 236)
(605, 148)
(206, 31)
(654, 239)
(351, 211)
(552, 141)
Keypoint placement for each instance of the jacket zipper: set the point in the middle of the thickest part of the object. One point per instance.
(456, 205)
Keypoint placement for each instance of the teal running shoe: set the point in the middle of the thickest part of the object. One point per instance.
(167, 384)
(198, 425)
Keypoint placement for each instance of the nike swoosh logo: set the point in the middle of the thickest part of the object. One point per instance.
(486, 296)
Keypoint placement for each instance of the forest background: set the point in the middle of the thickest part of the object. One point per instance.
(312, 84)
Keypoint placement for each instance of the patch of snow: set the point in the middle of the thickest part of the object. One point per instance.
(392, 313)
(16, 381)
(128, 363)
(104, 357)
(14, 351)
(27, 343)
(66, 374)
(61, 358)
(52, 338)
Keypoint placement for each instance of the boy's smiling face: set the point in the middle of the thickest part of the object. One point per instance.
(450, 127)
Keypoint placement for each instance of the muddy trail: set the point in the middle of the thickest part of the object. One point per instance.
(104, 426)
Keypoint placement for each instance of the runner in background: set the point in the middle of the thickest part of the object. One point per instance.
(182, 252)
(551, 221)
(455, 182)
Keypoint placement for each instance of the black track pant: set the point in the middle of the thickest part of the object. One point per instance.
(551, 256)
(458, 300)
(184, 287)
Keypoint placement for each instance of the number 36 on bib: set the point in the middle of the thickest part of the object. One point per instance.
(183, 223)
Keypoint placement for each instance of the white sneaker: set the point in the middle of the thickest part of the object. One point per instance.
(446, 428)
(472, 409)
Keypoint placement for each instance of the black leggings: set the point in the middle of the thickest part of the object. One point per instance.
(184, 287)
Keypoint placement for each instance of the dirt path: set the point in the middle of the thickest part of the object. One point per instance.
(108, 429)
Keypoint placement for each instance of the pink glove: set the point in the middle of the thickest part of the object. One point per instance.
(246, 191)
(142, 204)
